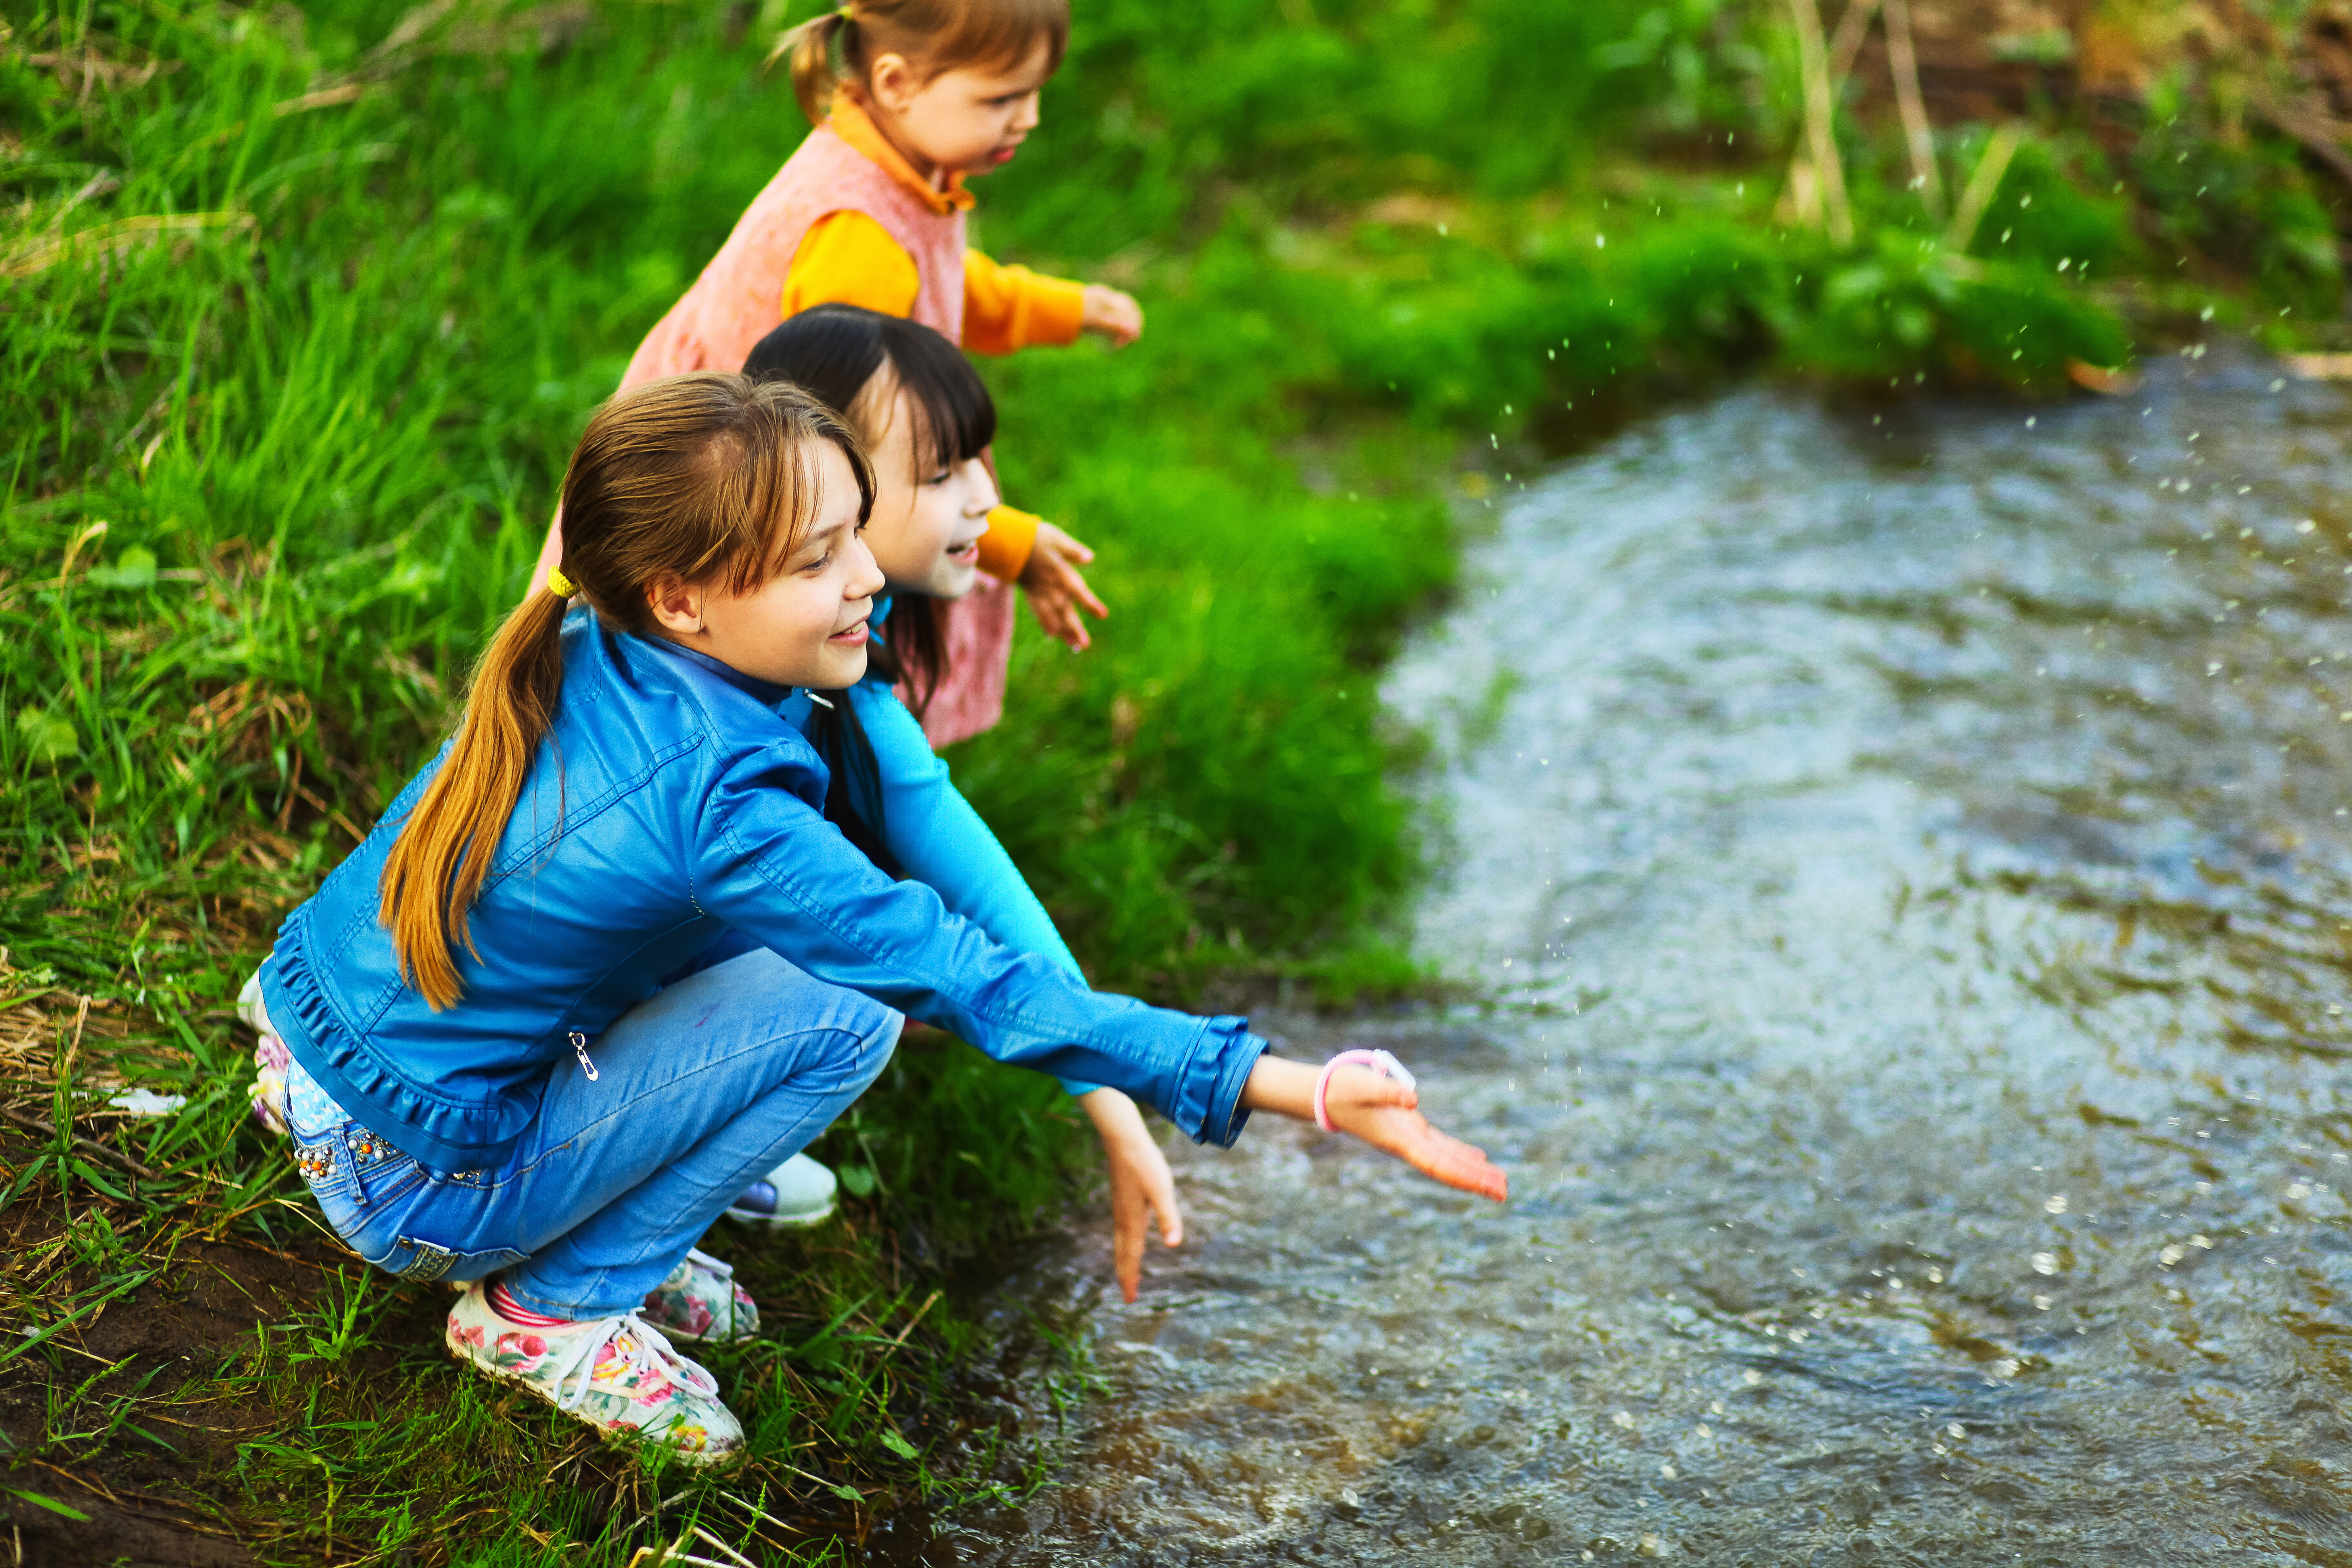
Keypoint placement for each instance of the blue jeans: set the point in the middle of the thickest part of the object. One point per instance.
(699, 1090)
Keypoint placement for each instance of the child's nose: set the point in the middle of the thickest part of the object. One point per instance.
(980, 493)
(866, 578)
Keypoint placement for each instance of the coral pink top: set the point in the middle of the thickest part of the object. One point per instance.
(738, 299)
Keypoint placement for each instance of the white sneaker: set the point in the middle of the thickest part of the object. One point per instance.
(798, 1192)
(617, 1374)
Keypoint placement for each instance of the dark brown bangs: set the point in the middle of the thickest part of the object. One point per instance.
(855, 361)
(955, 417)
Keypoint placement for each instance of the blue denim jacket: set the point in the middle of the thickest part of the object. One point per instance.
(671, 802)
(938, 839)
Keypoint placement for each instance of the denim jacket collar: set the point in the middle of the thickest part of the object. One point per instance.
(769, 694)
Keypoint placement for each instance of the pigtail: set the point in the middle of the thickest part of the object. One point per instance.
(812, 62)
(437, 865)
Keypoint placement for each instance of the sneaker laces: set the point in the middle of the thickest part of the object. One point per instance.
(718, 1269)
(646, 1352)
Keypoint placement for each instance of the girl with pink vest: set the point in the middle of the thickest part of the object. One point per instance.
(870, 211)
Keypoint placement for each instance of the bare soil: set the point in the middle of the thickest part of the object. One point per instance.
(162, 1499)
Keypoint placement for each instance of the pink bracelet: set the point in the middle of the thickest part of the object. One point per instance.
(1380, 1062)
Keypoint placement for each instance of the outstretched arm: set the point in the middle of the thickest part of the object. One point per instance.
(1380, 1110)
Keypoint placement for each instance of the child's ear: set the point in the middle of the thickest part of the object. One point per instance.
(891, 82)
(676, 605)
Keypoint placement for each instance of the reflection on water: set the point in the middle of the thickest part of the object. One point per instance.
(1911, 859)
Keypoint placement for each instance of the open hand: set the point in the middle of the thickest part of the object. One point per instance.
(1383, 1113)
(1057, 591)
(1380, 1110)
(1142, 1186)
(1112, 313)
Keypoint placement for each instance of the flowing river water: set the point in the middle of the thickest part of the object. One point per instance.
(1907, 855)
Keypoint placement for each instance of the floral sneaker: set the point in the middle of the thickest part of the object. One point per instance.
(701, 1300)
(617, 1372)
(272, 1060)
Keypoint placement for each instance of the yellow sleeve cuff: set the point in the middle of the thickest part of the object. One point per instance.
(1004, 547)
(848, 258)
(1009, 308)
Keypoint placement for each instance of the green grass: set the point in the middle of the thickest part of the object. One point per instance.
(304, 309)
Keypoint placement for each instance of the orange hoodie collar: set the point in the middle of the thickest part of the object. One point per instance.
(853, 125)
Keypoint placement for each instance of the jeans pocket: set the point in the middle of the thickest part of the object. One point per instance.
(352, 1175)
(413, 1258)
(324, 1161)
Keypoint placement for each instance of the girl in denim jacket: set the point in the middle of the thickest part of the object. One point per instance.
(490, 1081)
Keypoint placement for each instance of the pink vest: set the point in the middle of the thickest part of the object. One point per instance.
(739, 297)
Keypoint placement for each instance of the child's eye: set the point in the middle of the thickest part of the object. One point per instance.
(941, 477)
(819, 565)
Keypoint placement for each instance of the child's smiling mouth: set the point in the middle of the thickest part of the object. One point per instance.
(852, 636)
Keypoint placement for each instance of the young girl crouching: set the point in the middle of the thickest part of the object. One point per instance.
(491, 1081)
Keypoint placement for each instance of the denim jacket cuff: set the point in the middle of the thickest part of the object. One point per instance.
(1211, 1092)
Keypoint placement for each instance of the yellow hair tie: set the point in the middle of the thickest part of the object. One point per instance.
(563, 587)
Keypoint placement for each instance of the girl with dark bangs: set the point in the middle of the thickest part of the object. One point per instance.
(926, 418)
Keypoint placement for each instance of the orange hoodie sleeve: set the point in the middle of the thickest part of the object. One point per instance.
(848, 258)
(1004, 547)
(1009, 308)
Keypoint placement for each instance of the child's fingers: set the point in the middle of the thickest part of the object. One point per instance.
(1084, 594)
(1408, 1135)
(1354, 1088)
(1164, 1209)
(1453, 1161)
(1062, 624)
(1459, 1165)
(1129, 1264)
(1051, 605)
(1129, 1209)
(1061, 542)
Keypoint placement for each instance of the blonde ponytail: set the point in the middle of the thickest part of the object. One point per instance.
(454, 832)
(699, 478)
(814, 67)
